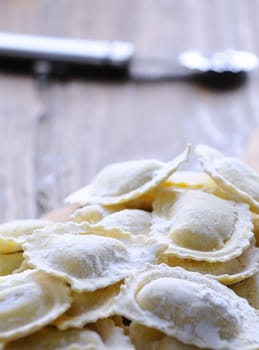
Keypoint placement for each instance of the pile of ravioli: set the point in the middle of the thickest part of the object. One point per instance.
(151, 257)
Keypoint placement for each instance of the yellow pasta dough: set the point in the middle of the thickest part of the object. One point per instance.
(227, 272)
(141, 264)
(88, 262)
(123, 182)
(91, 213)
(232, 175)
(145, 338)
(88, 307)
(200, 226)
(190, 307)
(29, 301)
(129, 222)
(13, 233)
(103, 335)
(194, 180)
(10, 262)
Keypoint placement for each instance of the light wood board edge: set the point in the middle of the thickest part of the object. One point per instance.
(251, 154)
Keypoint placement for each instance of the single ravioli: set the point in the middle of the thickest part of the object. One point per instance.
(249, 289)
(201, 226)
(13, 233)
(124, 182)
(103, 335)
(88, 307)
(29, 301)
(10, 262)
(135, 221)
(126, 222)
(227, 272)
(237, 180)
(91, 213)
(193, 308)
(145, 338)
(89, 261)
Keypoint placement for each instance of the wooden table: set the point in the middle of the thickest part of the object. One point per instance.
(54, 138)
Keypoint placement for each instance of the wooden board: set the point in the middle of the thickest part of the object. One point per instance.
(251, 154)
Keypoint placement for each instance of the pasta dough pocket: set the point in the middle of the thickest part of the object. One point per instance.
(124, 182)
(103, 335)
(201, 226)
(227, 272)
(29, 301)
(193, 308)
(13, 233)
(88, 307)
(234, 177)
(89, 261)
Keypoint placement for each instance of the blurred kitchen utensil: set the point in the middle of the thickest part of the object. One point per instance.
(63, 58)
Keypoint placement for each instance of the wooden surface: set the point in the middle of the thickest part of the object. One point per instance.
(54, 138)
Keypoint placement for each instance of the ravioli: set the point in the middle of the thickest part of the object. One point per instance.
(237, 180)
(227, 272)
(139, 265)
(123, 223)
(200, 226)
(59, 228)
(49, 338)
(190, 180)
(89, 262)
(145, 338)
(135, 221)
(194, 180)
(88, 307)
(92, 214)
(103, 335)
(10, 262)
(123, 182)
(29, 301)
(13, 233)
(193, 308)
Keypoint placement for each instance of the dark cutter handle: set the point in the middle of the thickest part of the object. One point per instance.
(61, 58)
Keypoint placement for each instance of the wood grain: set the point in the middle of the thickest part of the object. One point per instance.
(55, 137)
(251, 154)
